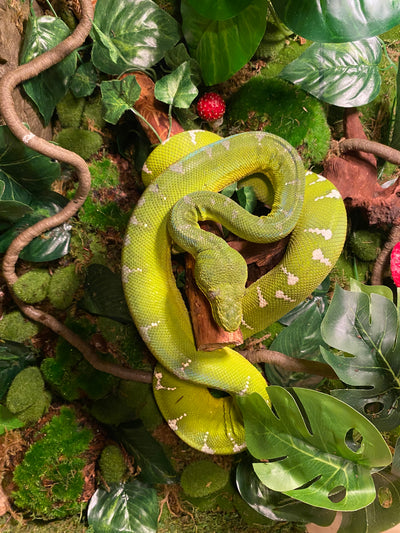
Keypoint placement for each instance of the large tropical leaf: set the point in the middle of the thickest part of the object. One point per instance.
(318, 449)
(222, 47)
(130, 508)
(131, 34)
(47, 89)
(364, 328)
(343, 74)
(219, 9)
(338, 20)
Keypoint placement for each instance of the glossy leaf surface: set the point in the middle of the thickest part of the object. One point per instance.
(364, 328)
(131, 507)
(47, 89)
(131, 34)
(176, 89)
(340, 20)
(14, 357)
(219, 9)
(118, 97)
(343, 74)
(222, 47)
(309, 440)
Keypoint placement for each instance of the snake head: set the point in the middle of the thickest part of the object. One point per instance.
(223, 283)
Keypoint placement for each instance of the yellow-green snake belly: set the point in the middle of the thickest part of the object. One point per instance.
(305, 204)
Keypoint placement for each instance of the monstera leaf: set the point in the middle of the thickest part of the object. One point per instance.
(339, 21)
(318, 449)
(222, 47)
(131, 34)
(342, 74)
(364, 328)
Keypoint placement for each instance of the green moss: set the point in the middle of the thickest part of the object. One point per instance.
(346, 268)
(365, 244)
(49, 480)
(93, 113)
(83, 142)
(33, 286)
(203, 478)
(112, 464)
(63, 285)
(27, 397)
(69, 111)
(104, 173)
(15, 327)
(278, 107)
(127, 338)
(102, 216)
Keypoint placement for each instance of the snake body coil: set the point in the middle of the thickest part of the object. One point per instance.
(308, 206)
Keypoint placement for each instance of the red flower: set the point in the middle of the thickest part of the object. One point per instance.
(395, 264)
(210, 107)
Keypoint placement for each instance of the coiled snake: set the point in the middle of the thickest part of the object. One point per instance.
(179, 172)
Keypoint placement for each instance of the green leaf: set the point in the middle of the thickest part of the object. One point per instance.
(178, 55)
(364, 328)
(343, 74)
(276, 505)
(247, 198)
(8, 421)
(149, 455)
(176, 89)
(219, 9)
(14, 199)
(383, 290)
(119, 96)
(30, 169)
(130, 508)
(104, 294)
(338, 21)
(47, 89)
(310, 442)
(222, 47)
(134, 34)
(319, 299)
(14, 357)
(302, 340)
(84, 81)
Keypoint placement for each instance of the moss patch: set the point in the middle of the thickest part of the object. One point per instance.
(27, 397)
(15, 327)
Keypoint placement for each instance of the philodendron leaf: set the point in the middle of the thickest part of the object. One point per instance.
(14, 199)
(119, 96)
(276, 505)
(131, 34)
(176, 89)
(364, 328)
(342, 74)
(338, 21)
(30, 169)
(219, 9)
(130, 507)
(47, 89)
(319, 450)
(222, 47)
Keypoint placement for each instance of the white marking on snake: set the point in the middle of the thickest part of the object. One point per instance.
(293, 182)
(318, 180)
(177, 167)
(208, 150)
(260, 136)
(141, 201)
(326, 233)
(246, 387)
(236, 447)
(262, 302)
(153, 187)
(333, 194)
(184, 365)
(159, 385)
(26, 139)
(246, 325)
(135, 222)
(188, 200)
(318, 255)
(127, 240)
(146, 169)
(282, 296)
(173, 423)
(192, 135)
(144, 330)
(292, 279)
(125, 271)
(205, 448)
(226, 144)
(234, 214)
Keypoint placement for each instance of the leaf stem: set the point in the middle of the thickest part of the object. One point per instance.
(147, 123)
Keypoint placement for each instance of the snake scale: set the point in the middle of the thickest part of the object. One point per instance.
(177, 174)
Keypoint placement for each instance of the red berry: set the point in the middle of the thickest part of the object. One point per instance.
(210, 107)
(395, 264)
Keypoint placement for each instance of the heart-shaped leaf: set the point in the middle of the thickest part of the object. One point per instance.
(14, 357)
(364, 328)
(134, 34)
(342, 74)
(319, 450)
(119, 96)
(131, 507)
(47, 89)
(84, 81)
(176, 89)
(222, 47)
(338, 21)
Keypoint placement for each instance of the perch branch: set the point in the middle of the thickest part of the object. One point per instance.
(383, 258)
(364, 145)
(7, 85)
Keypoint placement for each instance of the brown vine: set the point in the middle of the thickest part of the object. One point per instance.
(7, 85)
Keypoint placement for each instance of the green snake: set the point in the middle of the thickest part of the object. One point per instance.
(178, 175)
